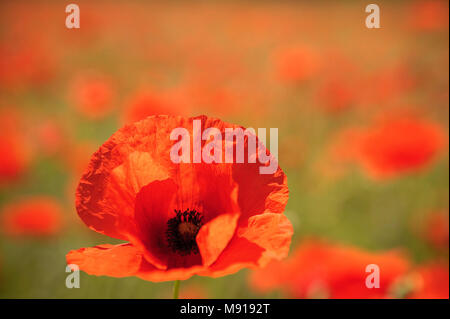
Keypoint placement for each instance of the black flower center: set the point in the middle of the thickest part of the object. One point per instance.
(182, 230)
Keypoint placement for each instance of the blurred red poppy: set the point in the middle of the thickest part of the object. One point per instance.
(179, 219)
(401, 145)
(436, 231)
(36, 216)
(14, 147)
(336, 95)
(92, 95)
(50, 137)
(146, 103)
(321, 270)
(431, 281)
(386, 84)
(429, 15)
(392, 146)
(296, 64)
(25, 64)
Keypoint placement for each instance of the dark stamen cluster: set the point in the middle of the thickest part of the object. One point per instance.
(182, 231)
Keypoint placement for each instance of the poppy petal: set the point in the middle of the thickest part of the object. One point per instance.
(270, 231)
(240, 253)
(107, 260)
(267, 237)
(214, 236)
(153, 204)
(106, 192)
(260, 193)
(151, 273)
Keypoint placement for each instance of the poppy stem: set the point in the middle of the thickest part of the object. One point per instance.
(176, 289)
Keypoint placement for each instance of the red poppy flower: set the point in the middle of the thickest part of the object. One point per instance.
(297, 64)
(37, 216)
(391, 146)
(387, 83)
(178, 219)
(50, 137)
(431, 281)
(147, 103)
(92, 95)
(429, 15)
(336, 95)
(321, 270)
(401, 145)
(25, 64)
(15, 150)
(436, 231)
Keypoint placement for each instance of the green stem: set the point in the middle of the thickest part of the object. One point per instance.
(176, 289)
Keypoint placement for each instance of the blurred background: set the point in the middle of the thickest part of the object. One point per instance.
(362, 116)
